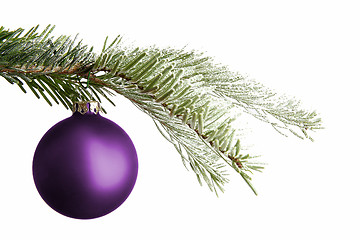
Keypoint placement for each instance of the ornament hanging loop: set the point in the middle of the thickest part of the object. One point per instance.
(87, 81)
(85, 86)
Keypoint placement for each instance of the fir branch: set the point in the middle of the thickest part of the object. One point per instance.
(192, 101)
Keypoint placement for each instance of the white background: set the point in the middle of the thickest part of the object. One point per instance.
(308, 49)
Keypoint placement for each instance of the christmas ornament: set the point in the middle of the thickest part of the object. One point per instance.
(85, 166)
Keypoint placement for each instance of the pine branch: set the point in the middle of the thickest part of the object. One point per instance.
(192, 101)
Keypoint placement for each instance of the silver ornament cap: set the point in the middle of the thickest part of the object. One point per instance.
(83, 107)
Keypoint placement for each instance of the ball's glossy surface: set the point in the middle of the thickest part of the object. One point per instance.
(85, 166)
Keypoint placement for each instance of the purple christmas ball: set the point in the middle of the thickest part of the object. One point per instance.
(85, 166)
